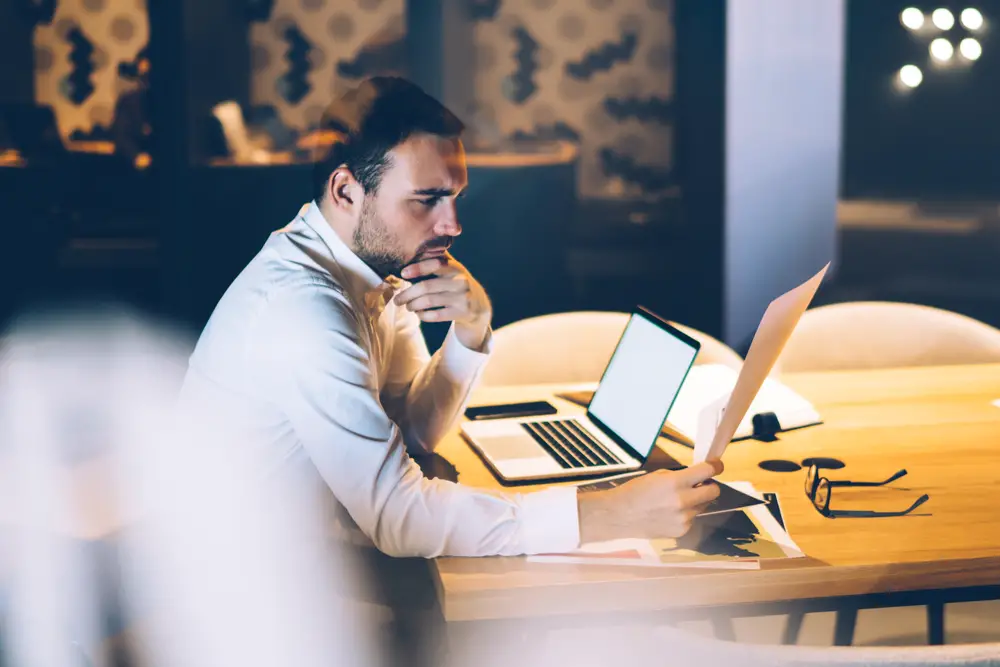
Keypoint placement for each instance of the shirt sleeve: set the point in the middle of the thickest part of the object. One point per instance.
(423, 394)
(322, 369)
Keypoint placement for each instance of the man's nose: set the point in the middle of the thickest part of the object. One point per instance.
(449, 225)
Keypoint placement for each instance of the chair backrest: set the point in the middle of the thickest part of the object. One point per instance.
(713, 350)
(879, 334)
(697, 650)
(969, 655)
(673, 647)
(573, 347)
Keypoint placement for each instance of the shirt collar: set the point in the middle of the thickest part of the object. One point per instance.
(365, 283)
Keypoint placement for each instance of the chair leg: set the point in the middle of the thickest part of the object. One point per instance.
(935, 623)
(724, 628)
(843, 633)
(793, 627)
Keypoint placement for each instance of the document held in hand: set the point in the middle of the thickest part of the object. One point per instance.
(719, 421)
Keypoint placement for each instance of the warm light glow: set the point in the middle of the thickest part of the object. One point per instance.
(942, 49)
(970, 48)
(911, 76)
(972, 18)
(912, 18)
(943, 19)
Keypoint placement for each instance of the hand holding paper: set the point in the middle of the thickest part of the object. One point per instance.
(774, 331)
(659, 504)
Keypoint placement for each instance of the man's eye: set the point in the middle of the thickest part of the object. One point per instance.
(430, 202)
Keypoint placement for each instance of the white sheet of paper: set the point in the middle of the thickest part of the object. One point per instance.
(768, 522)
(774, 331)
(709, 419)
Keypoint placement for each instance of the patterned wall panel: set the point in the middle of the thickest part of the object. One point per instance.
(600, 70)
(596, 71)
(308, 51)
(77, 57)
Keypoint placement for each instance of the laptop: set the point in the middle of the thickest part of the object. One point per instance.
(622, 423)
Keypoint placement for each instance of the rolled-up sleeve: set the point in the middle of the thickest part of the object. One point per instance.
(319, 356)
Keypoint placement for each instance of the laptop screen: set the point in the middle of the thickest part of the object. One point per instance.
(641, 382)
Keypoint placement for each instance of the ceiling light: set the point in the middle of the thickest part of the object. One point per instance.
(911, 76)
(970, 48)
(913, 18)
(972, 18)
(942, 50)
(943, 19)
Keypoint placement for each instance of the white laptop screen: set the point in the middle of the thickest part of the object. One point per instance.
(641, 382)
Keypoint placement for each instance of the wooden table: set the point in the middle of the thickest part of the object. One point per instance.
(939, 423)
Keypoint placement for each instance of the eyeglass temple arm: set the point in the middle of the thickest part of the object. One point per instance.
(869, 513)
(900, 473)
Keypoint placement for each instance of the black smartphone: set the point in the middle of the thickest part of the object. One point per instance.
(508, 410)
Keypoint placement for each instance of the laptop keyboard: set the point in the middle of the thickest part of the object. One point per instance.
(569, 444)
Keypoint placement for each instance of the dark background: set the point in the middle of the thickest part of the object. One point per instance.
(638, 217)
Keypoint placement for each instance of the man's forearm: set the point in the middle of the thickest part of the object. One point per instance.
(430, 518)
(440, 390)
(598, 520)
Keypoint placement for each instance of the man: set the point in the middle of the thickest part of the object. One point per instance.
(315, 351)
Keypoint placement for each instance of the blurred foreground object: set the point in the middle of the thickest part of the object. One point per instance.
(211, 563)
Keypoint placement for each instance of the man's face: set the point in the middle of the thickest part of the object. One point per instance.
(412, 216)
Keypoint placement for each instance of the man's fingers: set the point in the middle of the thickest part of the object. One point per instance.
(696, 474)
(432, 266)
(438, 300)
(699, 495)
(443, 315)
(409, 294)
(433, 286)
(422, 268)
(423, 303)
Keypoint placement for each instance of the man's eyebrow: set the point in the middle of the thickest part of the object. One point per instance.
(435, 192)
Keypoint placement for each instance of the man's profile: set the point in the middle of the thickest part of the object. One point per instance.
(316, 353)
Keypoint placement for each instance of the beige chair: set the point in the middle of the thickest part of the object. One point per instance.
(694, 650)
(878, 334)
(639, 644)
(573, 347)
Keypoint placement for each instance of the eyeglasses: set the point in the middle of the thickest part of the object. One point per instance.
(819, 490)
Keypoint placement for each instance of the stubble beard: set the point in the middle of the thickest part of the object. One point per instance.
(375, 245)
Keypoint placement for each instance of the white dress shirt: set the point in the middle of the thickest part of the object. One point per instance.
(307, 356)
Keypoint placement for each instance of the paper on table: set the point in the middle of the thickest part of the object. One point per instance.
(774, 331)
(777, 532)
(739, 541)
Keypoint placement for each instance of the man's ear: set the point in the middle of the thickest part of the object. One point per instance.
(344, 190)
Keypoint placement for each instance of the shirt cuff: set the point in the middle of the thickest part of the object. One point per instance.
(458, 361)
(550, 521)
